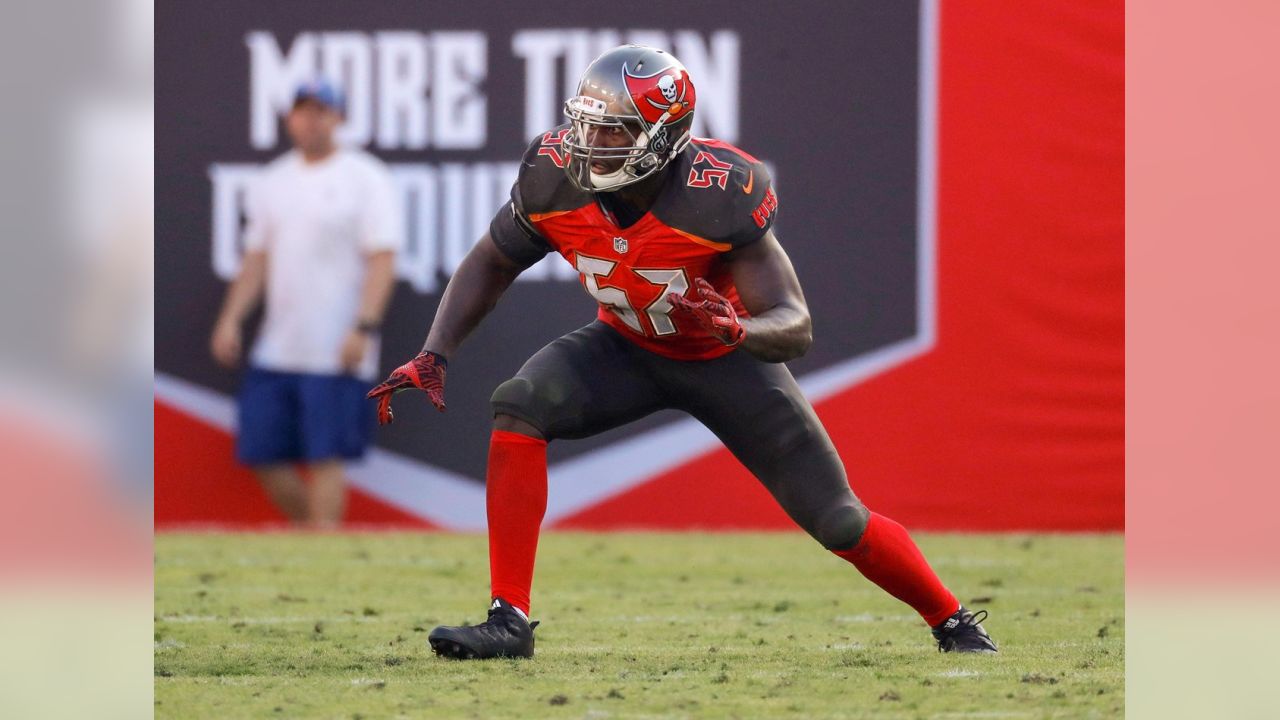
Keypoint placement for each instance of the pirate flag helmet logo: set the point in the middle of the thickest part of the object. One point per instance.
(664, 96)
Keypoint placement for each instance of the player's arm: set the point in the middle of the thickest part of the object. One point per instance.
(779, 328)
(243, 295)
(512, 244)
(484, 275)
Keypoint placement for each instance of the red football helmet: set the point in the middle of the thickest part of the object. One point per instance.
(631, 116)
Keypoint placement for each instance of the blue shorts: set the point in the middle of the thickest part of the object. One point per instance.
(300, 417)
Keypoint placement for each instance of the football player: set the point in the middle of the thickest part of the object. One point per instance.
(699, 308)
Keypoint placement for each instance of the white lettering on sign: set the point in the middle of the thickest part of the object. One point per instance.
(231, 183)
(347, 61)
(404, 90)
(460, 62)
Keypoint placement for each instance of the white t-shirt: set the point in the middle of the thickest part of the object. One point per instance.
(317, 223)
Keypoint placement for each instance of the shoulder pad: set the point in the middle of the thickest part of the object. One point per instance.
(542, 186)
(723, 195)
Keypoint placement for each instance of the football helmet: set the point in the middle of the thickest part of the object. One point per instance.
(632, 115)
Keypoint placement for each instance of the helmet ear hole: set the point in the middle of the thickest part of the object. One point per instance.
(658, 144)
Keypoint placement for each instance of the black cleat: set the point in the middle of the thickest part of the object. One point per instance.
(505, 634)
(962, 632)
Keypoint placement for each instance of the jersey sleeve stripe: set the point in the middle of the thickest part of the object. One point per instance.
(539, 217)
(717, 246)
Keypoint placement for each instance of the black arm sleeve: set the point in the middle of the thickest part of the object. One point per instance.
(516, 237)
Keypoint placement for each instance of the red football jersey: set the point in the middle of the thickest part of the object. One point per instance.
(715, 198)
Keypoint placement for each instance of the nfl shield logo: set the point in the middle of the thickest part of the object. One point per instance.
(620, 245)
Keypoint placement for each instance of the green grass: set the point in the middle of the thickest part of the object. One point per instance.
(634, 625)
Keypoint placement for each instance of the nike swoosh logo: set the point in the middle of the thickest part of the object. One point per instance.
(751, 181)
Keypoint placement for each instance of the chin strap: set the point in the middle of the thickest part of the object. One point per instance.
(598, 180)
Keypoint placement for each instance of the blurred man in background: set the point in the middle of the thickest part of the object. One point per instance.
(323, 229)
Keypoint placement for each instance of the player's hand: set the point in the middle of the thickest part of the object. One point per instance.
(354, 347)
(714, 312)
(425, 372)
(226, 343)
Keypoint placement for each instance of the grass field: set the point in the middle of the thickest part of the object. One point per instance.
(634, 625)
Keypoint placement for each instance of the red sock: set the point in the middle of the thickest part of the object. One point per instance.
(516, 500)
(887, 557)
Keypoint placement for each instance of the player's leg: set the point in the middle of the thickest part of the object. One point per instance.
(515, 505)
(512, 424)
(578, 385)
(268, 439)
(758, 411)
(581, 384)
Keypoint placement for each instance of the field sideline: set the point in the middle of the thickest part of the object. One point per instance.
(634, 626)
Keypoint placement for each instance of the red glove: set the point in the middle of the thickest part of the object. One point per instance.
(715, 313)
(425, 372)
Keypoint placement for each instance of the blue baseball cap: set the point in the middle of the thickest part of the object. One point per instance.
(323, 92)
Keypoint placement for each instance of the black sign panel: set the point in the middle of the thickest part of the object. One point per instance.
(449, 94)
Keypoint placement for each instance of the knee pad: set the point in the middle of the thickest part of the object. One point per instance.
(516, 397)
(841, 528)
(538, 404)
